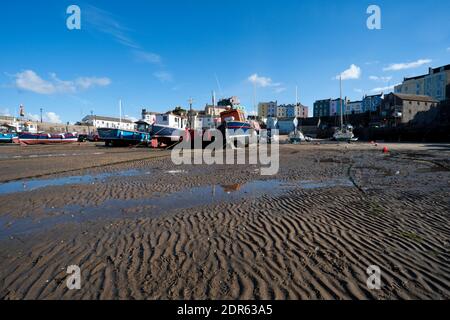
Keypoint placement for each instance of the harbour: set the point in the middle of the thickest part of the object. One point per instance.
(193, 216)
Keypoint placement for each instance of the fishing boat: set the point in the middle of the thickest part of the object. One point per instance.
(234, 127)
(121, 137)
(27, 138)
(7, 137)
(168, 128)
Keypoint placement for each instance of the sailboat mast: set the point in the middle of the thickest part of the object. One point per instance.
(120, 113)
(340, 100)
(213, 116)
(254, 98)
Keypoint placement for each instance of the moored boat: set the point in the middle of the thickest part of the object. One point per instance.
(117, 137)
(45, 138)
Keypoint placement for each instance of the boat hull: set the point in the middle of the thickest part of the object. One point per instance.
(33, 139)
(7, 137)
(344, 136)
(125, 137)
(237, 133)
(166, 134)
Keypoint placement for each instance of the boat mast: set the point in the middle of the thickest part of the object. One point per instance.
(191, 101)
(340, 100)
(254, 99)
(213, 116)
(120, 113)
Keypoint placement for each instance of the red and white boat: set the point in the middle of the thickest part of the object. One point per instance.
(45, 138)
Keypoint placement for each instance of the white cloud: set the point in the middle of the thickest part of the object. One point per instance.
(354, 72)
(51, 117)
(163, 76)
(89, 82)
(358, 90)
(385, 89)
(280, 90)
(131, 118)
(29, 80)
(266, 82)
(380, 79)
(148, 57)
(407, 65)
(260, 81)
(105, 22)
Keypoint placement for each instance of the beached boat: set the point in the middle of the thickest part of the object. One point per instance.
(345, 132)
(45, 138)
(168, 128)
(234, 127)
(117, 137)
(7, 137)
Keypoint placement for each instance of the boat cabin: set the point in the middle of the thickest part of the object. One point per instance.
(143, 126)
(232, 115)
(171, 120)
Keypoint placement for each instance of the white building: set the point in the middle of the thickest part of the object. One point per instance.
(171, 120)
(109, 122)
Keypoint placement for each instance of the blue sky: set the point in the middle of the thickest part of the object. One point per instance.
(157, 54)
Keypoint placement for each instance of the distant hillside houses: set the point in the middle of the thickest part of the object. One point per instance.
(332, 107)
(273, 110)
(435, 84)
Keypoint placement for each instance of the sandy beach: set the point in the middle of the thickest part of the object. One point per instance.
(140, 227)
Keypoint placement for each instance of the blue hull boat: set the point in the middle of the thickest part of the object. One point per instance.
(7, 137)
(117, 137)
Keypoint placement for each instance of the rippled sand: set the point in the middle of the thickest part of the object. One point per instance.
(242, 236)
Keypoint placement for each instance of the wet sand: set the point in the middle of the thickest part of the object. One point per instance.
(140, 227)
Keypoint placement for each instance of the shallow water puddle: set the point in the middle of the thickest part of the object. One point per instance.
(30, 185)
(52, 155)
(160, 205)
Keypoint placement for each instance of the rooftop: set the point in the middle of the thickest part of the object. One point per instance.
(413, 97)
(430, 71)
(103, 118)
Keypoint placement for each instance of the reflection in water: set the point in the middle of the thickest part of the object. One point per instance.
(29, 185)
(162, 205)
(231, 188)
